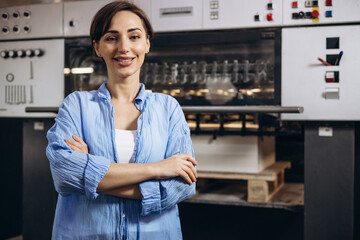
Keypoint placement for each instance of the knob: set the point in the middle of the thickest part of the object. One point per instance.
(27, 14)
(12, 54)
(4, 54)
(29, 53)
(16, 14)
(301, 14)
(16, 29)
(5, 30)
(5, 16)
(27, 29)
(315, 14)
(38, 52)
(21, 53)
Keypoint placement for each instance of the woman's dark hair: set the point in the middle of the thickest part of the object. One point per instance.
(102, 19)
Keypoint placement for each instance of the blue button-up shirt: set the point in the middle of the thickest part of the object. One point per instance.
(81, 212)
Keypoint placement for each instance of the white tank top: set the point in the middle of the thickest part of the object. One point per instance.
(125, 144)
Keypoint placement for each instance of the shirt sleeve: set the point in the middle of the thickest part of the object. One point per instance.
(72, 172)
(158, 195)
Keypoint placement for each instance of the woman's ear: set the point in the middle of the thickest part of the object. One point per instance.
(147, 45)
(97, 48)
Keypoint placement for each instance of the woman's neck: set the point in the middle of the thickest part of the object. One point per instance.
(124, 90)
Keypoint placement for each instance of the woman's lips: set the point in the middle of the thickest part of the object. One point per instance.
(124, 61)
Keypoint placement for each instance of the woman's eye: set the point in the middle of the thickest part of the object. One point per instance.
(111, 39)
(135, 37)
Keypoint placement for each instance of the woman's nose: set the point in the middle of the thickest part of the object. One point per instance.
(123, 46)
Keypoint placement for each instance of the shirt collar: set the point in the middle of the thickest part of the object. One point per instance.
(104, 93)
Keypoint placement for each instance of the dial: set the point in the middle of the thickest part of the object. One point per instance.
(4, 54)
(27, 29)
(5, 30)
(21, 53)
(29, 53)
(38, 52)
(16, 14)
(16, 29)
(5, 15)
(27, 14)
(12, 54)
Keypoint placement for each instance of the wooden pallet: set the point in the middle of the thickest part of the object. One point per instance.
(262, 186)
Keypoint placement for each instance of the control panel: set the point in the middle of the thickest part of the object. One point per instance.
(77, 23)
(31, 77)
(224, 14)
(170, 16)
(321, 73)
(31, 21)
(320, 12)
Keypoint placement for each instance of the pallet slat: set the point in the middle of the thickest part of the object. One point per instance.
(262, 186)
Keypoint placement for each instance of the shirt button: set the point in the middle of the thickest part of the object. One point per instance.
(139, 130)
(123, 215)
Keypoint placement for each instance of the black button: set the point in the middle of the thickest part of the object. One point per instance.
(270, 6)
(257, 18)
(332, 43)
(308, 15)
(315, 3)
(5, 16)
(5, 30)
(295, 15)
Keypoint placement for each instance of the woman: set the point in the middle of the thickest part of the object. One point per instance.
(131, 160)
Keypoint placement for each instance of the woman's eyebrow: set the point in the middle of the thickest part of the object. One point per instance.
(129, 30)
(134, 29)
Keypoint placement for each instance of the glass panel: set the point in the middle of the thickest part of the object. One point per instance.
(198, 71)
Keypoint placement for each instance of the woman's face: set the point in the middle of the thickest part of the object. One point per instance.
(124, 45)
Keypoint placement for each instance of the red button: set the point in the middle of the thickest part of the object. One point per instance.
(328, 3)
(315, 14)
(295, 4)
(269, 17)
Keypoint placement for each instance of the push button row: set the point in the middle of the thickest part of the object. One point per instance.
(5, 16)
(21, 53)
(16, 29)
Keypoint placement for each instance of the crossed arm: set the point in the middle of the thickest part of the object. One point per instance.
(123, 180)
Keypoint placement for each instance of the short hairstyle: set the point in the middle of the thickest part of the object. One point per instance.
(102, 19)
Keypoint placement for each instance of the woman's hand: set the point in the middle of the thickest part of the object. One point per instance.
(78, 145)
(177, 165)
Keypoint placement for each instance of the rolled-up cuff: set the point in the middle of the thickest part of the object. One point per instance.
(151, 201)
(94, 172)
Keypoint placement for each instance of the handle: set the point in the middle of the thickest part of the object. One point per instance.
(242, 109)
(42, 109)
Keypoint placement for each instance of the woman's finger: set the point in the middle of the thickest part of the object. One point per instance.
(74, 143)
(73, 147)
(189, 158)
(191, 166)
(78, 139)
(186, 177)
(190, 173)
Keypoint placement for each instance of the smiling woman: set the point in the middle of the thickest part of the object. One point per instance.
(123, 46)
(121, 157)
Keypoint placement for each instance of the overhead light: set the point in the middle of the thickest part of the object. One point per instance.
(67, 71)
(84, 70)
